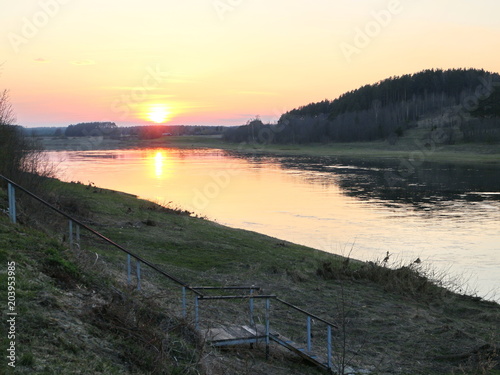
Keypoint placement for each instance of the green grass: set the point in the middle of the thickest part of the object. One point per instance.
(60, 302)
(182, 240)
(38, 334)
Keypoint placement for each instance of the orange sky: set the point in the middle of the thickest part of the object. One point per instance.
(221, 62)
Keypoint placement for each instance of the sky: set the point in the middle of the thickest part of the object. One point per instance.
(224, 62)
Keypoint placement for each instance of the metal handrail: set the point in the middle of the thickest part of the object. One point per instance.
(101, 236)
(307, 313)
(272, 296)
(256, 288)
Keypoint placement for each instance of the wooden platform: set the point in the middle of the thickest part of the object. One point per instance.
(237, 335)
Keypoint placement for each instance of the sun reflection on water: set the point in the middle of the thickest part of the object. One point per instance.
(159, 162)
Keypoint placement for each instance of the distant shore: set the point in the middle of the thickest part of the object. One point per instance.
(407, 148)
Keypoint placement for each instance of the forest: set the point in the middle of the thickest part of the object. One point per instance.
(111, 130)
(462, 103)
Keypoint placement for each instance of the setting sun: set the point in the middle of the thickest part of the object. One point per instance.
(158, 113)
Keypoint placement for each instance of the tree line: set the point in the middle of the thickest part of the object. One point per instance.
(111, 130)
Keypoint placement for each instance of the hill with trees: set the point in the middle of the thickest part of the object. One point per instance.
(462, 103)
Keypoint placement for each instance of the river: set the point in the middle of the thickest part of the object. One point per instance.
(447, 216)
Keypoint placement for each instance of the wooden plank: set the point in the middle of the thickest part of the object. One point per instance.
(218, 334)
(232, 335)
(250, 330)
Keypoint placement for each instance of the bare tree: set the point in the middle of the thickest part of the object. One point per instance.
(8, 136)
(6, 112)
(21, 157)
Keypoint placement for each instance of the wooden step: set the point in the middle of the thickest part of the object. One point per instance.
(233, 335)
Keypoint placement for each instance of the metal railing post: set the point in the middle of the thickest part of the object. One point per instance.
(329, 343)
(268, 307)
(138, 274)
(184, 310)
(129, 270)
(12, 203)
(71, 234)
(309, 346)
(196, 316)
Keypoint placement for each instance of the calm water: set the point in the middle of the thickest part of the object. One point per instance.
(447, 216)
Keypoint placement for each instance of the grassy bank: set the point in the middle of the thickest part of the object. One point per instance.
(409, 147)
(74, 317)
(77, 309)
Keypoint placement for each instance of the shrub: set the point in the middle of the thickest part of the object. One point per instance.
(21, 157)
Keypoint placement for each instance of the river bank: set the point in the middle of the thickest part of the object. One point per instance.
(394, 321)
(409, 148)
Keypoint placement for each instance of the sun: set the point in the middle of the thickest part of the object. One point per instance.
(158, 113)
